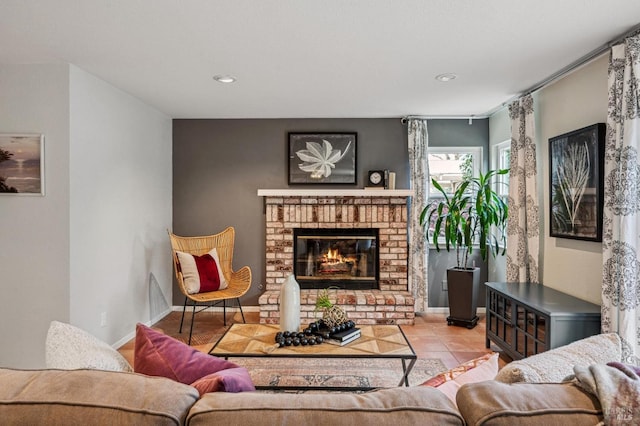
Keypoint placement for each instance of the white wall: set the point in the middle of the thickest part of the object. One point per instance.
(499, 131)
(576, 101)
(96, 242)
(34, 236)
(121, 194)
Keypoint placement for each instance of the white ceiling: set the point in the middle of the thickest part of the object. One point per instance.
(304, 58)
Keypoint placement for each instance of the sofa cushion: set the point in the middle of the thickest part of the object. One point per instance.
(557, 364)
(418, 405)
(492, 403)
(91, 397)
(157, 354)
(69, 348)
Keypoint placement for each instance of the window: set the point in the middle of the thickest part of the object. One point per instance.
(501, 159)
(450, 165)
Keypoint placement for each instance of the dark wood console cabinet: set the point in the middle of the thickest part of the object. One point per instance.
(524, 319)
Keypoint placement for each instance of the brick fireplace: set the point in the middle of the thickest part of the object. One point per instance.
(386, 211)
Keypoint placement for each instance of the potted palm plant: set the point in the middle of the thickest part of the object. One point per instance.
(473, 216)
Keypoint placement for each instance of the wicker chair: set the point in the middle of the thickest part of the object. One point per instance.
(239, 281)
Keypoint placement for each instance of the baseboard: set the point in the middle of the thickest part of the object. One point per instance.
(218, 308)
(445, 310)
(132, 334)
(434, 310)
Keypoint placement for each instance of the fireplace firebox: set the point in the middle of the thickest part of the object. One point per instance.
(342, 258)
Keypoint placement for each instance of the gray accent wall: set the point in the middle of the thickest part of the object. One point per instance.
(455, 133)
(219, 165)
(460, 133)
(438, 285)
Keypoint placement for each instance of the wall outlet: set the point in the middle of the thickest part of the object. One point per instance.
(445, 286)
(103, 319)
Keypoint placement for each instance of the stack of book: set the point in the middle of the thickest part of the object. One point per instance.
(341, 338)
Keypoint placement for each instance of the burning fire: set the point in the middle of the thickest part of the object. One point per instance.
(333, 256)
(332, 262)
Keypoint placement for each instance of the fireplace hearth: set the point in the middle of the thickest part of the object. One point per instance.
(341, 258)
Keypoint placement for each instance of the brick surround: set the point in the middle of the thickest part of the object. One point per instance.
(391, 304)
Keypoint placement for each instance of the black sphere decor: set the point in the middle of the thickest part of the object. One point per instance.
(315, 333)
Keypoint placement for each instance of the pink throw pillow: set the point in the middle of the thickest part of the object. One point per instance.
(156, 354)
(232, 380)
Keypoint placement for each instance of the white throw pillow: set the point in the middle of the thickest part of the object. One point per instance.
(555, 365)
(70, 348)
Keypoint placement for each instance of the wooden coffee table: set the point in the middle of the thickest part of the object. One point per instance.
(376, 342)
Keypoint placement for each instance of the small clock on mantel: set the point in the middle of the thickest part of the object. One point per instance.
(376, 179)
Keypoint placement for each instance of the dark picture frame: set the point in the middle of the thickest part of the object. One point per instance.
(322, 158)
(576, 182)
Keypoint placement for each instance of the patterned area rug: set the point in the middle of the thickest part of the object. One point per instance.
(337, 372)
(302, 372)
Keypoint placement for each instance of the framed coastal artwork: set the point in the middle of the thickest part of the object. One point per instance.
(576, 161)
(21, 164)
(321, 158)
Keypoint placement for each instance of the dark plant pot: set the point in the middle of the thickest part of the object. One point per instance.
(464, 286)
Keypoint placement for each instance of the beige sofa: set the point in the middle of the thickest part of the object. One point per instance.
(96, 397)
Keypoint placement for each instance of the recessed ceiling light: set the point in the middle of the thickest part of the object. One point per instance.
(446, 77)
(224, 78)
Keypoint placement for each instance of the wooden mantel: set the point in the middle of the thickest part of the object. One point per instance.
(335, 192)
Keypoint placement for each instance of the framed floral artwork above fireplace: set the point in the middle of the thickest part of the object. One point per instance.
(321, 158)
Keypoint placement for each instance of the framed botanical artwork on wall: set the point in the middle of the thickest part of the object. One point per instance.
(576, 161)
(21, 164)
(322, 158)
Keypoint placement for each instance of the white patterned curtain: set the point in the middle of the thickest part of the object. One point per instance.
(419, 182)
(621, 228)
(523, 229)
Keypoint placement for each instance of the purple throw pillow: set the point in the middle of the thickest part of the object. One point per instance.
(230, 380)
(157, 354)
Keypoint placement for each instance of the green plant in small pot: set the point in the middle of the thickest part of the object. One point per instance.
(473, 216)
(332, 314)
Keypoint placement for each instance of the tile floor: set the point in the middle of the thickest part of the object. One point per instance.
(430, 337)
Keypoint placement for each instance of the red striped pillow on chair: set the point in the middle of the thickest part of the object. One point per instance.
(201, 273)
